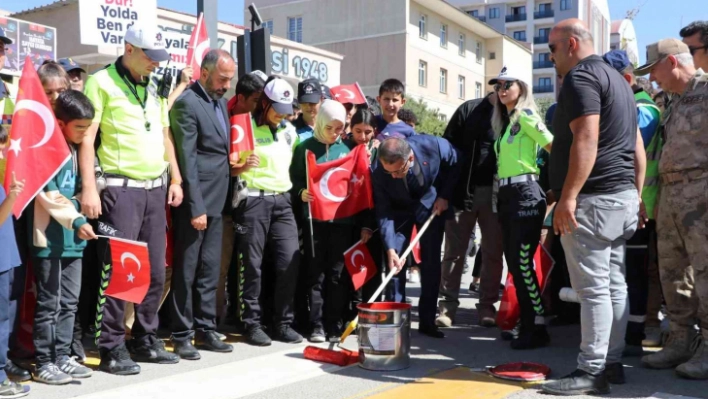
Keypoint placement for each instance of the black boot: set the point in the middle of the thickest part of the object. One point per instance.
(185, 350)
(578, 382)
(536, 337)
(155, 353)
(615, 373)
(209, 341)
(117, 361)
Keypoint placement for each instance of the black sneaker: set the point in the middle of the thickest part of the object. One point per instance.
(508, 335)
(615, 373)
(11, 390)
(317, 335)
(155, 353)
(536, 338)
(16, 373)
(288, 335)
(578, 382)
(77, 350)
(70, 366)
(50, 374)
(185, 350)
(257, 337)
(117, 361)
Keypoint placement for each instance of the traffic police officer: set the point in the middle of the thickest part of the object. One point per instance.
(522, 203)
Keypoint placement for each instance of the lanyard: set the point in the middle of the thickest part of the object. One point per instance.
(143, 102)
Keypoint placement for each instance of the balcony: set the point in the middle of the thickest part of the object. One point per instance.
(542, 64)
(543, 14)
(516, 17)
(481, 17)
(543, 89)
(540, 40)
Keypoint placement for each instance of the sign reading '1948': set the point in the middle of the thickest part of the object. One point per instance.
(303, 67)
(104, 22)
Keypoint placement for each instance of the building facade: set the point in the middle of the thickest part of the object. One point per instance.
(291, 60)
(530, 21)
(623, 37)
(443, 56)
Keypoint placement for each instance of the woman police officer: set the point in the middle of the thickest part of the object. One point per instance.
(521, 201)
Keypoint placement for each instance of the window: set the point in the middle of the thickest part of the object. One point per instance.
(478, 52)
(520, 35)
(518, 10)
(474, 13)
(461, 87)
(494, 13)
(544, 7)
(422, 32)
(295, 29)
(443, 35)
(443, 80)
(565, 5)
(422, 73)
(268, 25)
(477, 90)
(544, 82)
(492, 56)
(544, 57)
(461, 48)
(544, 32)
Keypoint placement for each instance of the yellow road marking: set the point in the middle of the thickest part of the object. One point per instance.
(456, 383)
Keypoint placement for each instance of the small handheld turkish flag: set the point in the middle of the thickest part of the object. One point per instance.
(241, 134)
(348, 94)
(130, 272)
(360, 264)
(38, 148)
(416, 248)
(198, 47)
(342, 188)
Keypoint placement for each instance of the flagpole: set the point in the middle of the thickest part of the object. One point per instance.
(309, 206)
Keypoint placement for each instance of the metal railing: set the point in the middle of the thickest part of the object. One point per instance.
(542, 64)
(540, 40)
(515, 17)
(543, 14)
(543, 89)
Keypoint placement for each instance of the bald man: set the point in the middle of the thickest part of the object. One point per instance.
(592, 173)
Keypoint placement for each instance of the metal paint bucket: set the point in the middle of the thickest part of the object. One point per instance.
(384, 336)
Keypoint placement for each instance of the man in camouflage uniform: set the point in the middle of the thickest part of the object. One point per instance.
(682, 220)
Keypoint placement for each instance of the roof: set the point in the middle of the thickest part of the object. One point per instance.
(51, 6)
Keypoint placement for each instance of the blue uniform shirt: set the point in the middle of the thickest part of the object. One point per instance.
(9, 254)
(399, 129)
(647, 124)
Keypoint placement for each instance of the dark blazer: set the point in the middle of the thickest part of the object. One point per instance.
(202, 147)
(440, 166)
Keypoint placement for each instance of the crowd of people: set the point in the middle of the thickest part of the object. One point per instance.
(613, 176)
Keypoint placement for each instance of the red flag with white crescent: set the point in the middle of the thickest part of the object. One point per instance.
(130, 270)
(342, 188)
(198, 47)
(348, 94)
(37, 147)
(242, 134)
(360, 264)
(416, 249)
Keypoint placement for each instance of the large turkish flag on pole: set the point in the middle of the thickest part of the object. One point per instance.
(37, 148)
(342, 188)
(198, 47)
(130, 271)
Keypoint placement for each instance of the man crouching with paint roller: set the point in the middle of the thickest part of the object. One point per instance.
(413, 182)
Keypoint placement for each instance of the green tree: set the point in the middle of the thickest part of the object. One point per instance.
(543, 104)
(429, 120)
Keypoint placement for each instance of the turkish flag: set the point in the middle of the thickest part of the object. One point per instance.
(241, 134)
(130, 272)
(348, 94)
(509, 310)
(342, 188)
(416, 248)
(37, 148)
(198, 47)
(360, 264)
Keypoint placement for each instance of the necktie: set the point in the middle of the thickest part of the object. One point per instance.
(219, 115)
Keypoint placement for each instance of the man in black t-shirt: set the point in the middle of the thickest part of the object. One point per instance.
(592, 173)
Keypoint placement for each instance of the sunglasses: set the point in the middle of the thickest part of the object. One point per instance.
(399, 171)
(505, 86)
(693, 50)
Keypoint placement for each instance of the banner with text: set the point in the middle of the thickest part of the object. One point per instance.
(32, 40)
(104, 22)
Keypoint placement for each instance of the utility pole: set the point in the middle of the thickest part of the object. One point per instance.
(211, 19)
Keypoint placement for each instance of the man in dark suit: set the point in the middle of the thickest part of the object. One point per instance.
(414, 179)
(200, 124)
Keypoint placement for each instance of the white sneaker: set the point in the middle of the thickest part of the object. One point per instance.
(50, 374)
(414, 278)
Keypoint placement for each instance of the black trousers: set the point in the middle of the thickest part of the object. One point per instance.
(138, 214)
(268, 220)
(90, 282)
(522, 209)
(328, 281)
(640, 248)
(58, 287)
(195, 275)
